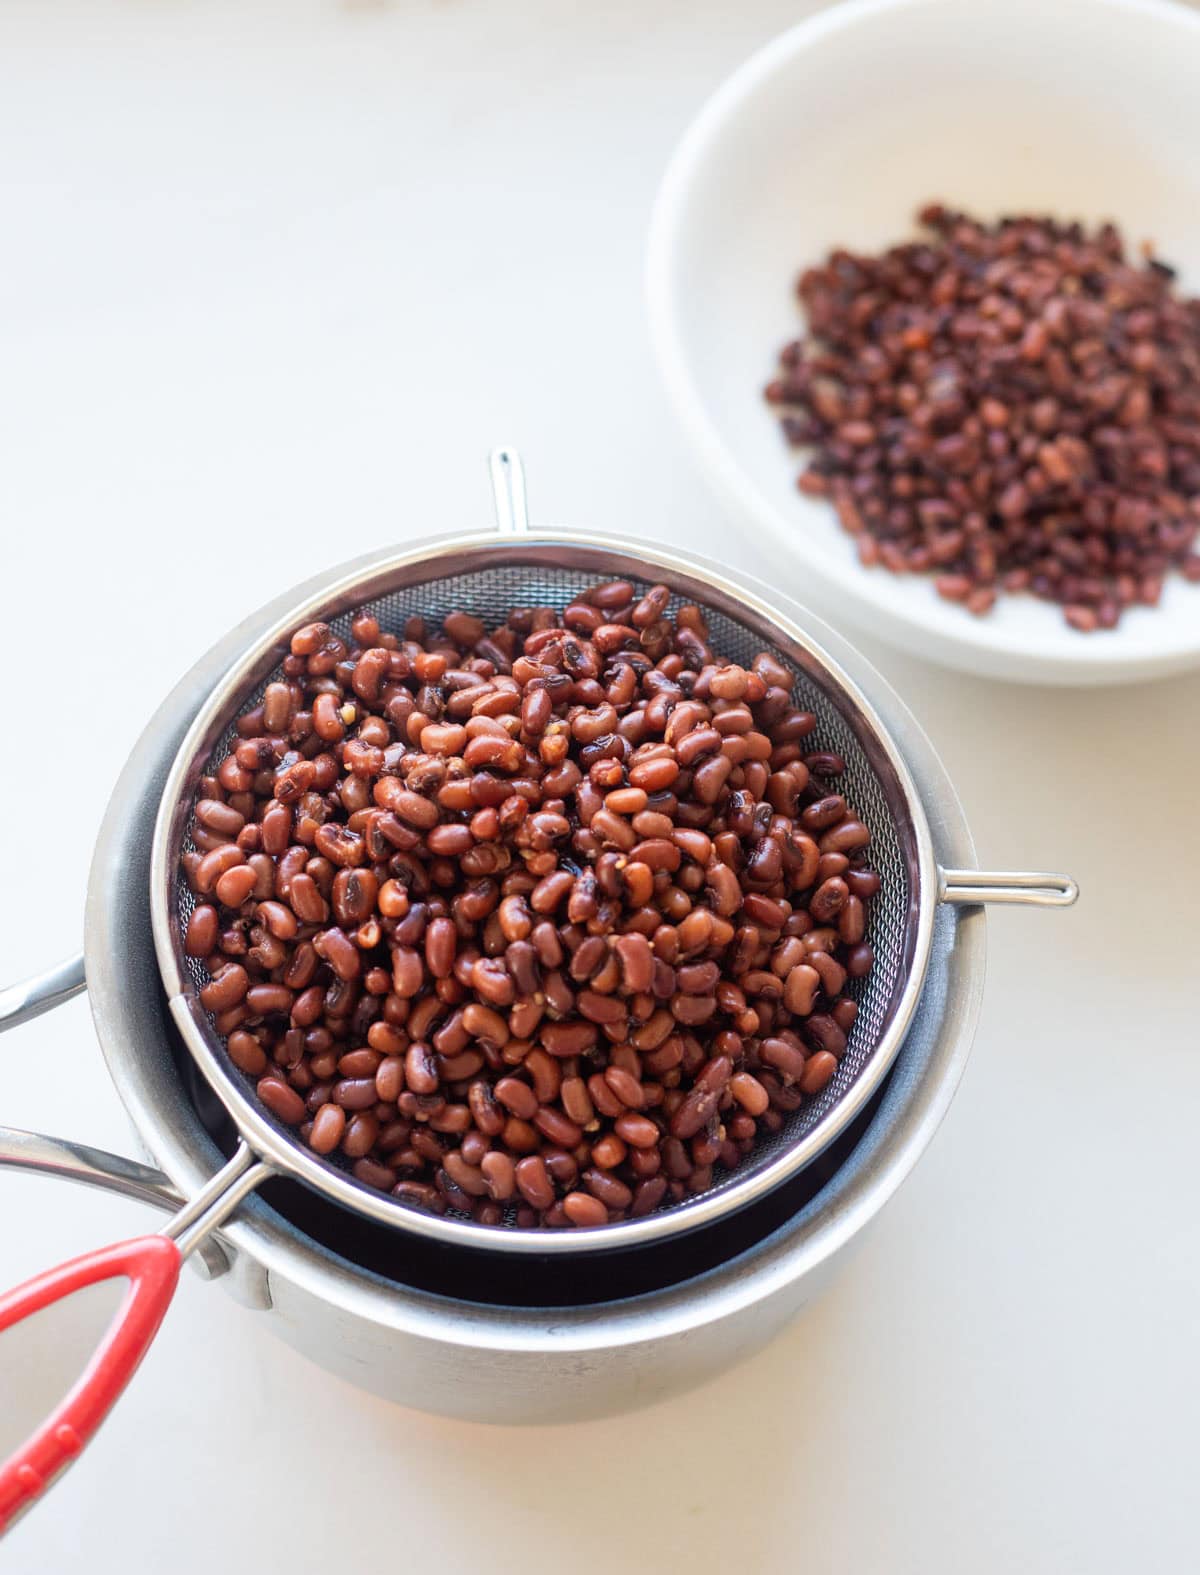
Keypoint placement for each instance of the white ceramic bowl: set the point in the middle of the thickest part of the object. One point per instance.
(834, 134)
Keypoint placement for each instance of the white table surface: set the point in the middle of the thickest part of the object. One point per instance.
(273, 279)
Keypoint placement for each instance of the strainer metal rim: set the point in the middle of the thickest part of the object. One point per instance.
(361, 581)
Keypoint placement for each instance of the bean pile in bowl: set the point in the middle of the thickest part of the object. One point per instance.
(1011, 407)
(544, 923)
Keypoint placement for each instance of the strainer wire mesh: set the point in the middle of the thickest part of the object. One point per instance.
(491, 593)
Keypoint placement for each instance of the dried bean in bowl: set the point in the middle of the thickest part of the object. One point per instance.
(1009, 408)
(551, 918)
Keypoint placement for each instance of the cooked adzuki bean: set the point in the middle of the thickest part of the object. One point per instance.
(558, 916)
(1008, 407)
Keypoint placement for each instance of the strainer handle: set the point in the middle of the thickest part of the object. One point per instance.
(151, 1265)
(508, 492)
(1034, 888)
(21, 1003)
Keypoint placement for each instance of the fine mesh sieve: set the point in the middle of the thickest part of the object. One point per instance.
(489, 575)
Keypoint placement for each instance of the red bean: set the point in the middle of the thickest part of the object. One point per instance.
(818, 1072)
(613, 1193)
(276, 829)
(372, 1174)
(469, 1177)
(440, 946)
(357, 1093)
(219, 816)
(216, 863)
(859, 960)
(785, 1058)
(828, 900)
(557, 1127)
(499, 1175)
(517, 1097)
(329, 1125)
(340, 846)
(583, 1209)
(225, 989)
(637, 962)
(654, 774)
(845, 1014)
(246, 1053)
(852, 921)
(800, 989)
(354, 895)
(546, 1074)
(362, 1133)
(577, 1102)
(263, 999)
(337, 949)
(569, 1038)
(492, 982)
(281, 1100)
(308, 1006)
(609, 1151)
(457, 1068)
(306, 900)
(848, 837)
(626, 1087)
(408, 972)
(749, 1093)
(420, 1069)
(648, 1195)
(825, 1032)
(202, 929)
(410, 807)
(389, 1079)
(279, 920)
(637, 1131)
(533, 1181)
(697, 1110)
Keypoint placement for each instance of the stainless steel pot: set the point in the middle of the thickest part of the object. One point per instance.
(420, 1345)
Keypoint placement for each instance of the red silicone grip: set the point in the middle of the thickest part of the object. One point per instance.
(151, 1264)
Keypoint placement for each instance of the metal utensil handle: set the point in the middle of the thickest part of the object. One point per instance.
(151, 1265)
(216, 1200)
(21, 1003)
(508, 492)
(41, 1155)
(1034, 888)
(94, 1167)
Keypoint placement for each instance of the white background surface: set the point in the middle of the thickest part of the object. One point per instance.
(273, 279)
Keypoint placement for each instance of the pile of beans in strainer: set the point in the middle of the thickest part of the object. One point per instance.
(1010, 407)
(543, 923)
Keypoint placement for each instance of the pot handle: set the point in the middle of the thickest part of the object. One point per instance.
(41, 1155)
(151, 1264)
(21, 1003)
(94, 1167)
(1034, 888)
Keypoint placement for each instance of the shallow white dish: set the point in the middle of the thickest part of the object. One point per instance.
(834, 134)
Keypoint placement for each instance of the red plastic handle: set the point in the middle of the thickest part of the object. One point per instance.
(151, 1264)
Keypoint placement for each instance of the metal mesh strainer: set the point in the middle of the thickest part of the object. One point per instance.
(488, 575)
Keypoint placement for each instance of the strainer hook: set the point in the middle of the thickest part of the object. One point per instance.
(1033, 888)
(508, 492)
